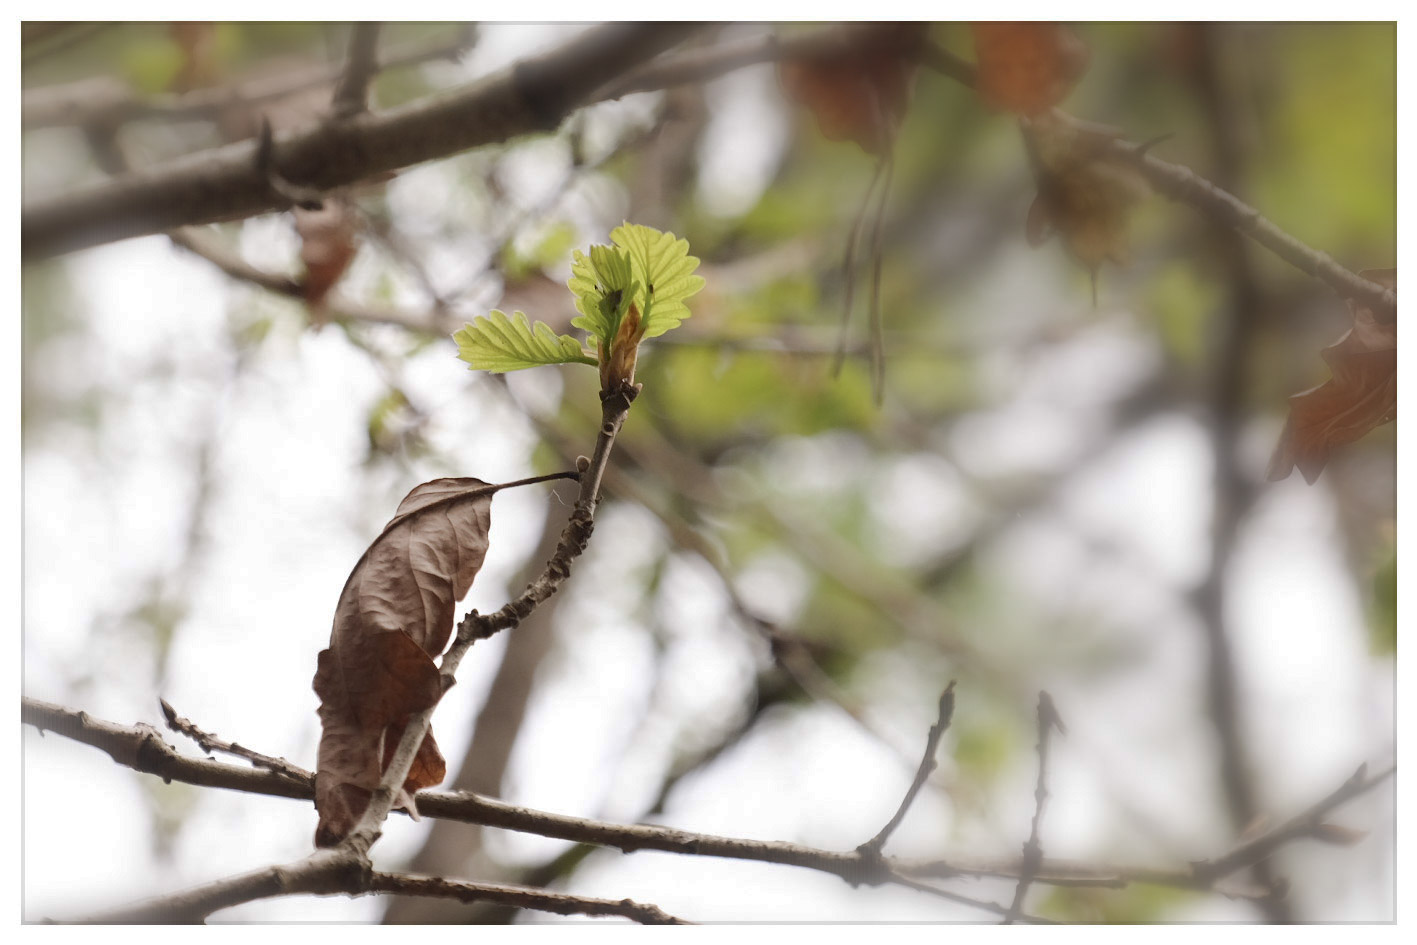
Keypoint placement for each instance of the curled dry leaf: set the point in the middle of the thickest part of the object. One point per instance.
(327, 245)
(1084, 195)
(1361, 395)
(861, 94)
(394, 615)
(1027, 68)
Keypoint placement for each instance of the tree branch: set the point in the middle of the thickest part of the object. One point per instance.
(1308, 823)
(703, 65)
(112, 102)
(142, 748)
(135, 748)
(1033, 848)
(324, 874)
(210, 744)
(927, 765)
(521, 897)
(352, 94)
(226, 183)
(1184, 185)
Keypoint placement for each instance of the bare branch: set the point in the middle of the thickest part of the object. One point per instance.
(210, 744)
(225, 183)
(352, 93)
(703, 65)
(927, 765)
(325, 874)
(1184, 185)
(143, 749)
(521, 897)
(1308, 823)
(112, 102)
(1033, 849)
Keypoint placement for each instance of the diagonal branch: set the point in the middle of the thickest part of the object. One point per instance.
(112, 102)
(332, 879)
(1184, 185)
(703, 65)
(225, 183)
(211, 744)
(521, 897)
(927, 765)
(1308, 823)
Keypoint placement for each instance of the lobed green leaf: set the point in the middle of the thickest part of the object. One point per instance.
(500, 343)
(665, 269)
(604, 286)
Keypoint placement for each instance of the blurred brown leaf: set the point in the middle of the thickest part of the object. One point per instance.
(198, 43)
(862, 94)
(1083, 195)
(328, 241)
(1027, 67)
(1361, 395)
(394, 614)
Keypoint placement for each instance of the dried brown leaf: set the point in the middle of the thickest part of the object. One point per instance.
(1084, 195)
(394, 614)
(1027, 68)
(1361, 394)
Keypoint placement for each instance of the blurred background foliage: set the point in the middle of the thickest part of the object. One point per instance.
(1030, 505)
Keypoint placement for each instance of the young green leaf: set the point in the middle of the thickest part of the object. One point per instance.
(498, 343)
(604, 286)
(665, 269)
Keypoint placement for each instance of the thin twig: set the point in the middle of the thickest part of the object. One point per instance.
(878, 255)
(352, 94)
(1048, 720)
(927, 765)
(211, 744)
(112, 101)
(703, 65)
(848, 269)
(1184, 185)
(521, 897)
(1309, 823)
(223, 183)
